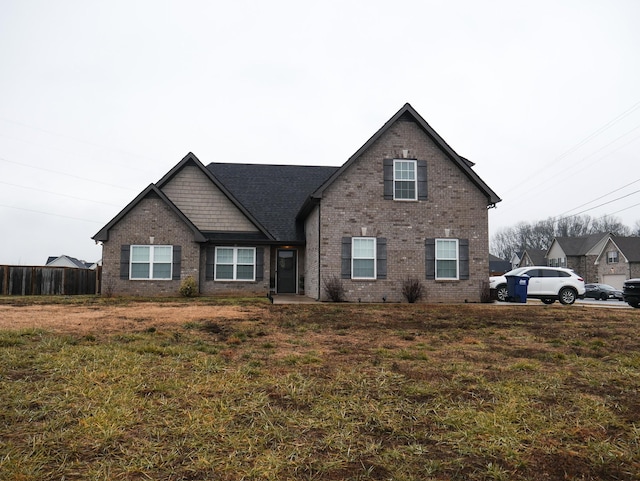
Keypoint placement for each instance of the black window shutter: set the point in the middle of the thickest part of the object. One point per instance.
(346, 258)
(381, 258)
(463, 258)
(124, 261)
(387, 170)
(209, 262)
(422, 180)
(259, 263)
(430, 258)
(177, 258)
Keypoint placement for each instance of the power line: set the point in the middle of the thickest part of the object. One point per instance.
(573, 166)
(603, 128)
(601, 197)
(61, 195)
(626, 208)
(589, 137)
(66, 152)
(558, 179)
(50, 213)
(84, 179)
(600, 205)
(75, 139)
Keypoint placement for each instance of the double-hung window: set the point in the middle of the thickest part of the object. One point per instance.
(405, 180)
(363, 258)
(612, 257)
(446, 258)
(150, 262)
(235, 264)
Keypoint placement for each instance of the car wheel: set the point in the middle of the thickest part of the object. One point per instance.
(634, 304)
(603, 297)
(548, 301)
(502, 293)
(567, 296)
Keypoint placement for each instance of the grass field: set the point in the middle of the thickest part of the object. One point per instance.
(193, 390)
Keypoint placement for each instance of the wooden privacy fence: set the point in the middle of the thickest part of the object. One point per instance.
(47, 281)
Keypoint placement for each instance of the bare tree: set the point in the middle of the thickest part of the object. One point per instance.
(540, 234)
(575, 226)
(611, 224)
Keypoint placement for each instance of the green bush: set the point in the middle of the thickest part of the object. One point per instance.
(189, 288)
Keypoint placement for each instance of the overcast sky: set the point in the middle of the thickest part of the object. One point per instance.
(98, 99)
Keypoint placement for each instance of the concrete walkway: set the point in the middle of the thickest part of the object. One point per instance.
(293, 299)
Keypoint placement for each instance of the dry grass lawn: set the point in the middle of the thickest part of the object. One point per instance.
(212, 389)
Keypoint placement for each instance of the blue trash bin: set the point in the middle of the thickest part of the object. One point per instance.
(517, 287)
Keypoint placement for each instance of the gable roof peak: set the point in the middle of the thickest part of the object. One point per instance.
(151, 191)
(191, 159)
(407, 110)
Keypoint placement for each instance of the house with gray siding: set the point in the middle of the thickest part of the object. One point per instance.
(403, 206)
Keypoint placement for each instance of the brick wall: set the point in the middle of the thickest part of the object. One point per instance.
(455, 209)
(605, 269)
(150, 218)
(236, 288)
(311, 280)
(584, 266)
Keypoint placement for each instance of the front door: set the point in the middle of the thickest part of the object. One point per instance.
(286, 271)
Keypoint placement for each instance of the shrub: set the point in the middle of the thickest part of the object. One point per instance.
(108, 286)
(188, 287)
(334, 289)
(485, 292)
(412, 289)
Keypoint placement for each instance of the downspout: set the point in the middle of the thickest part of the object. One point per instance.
(319, 247)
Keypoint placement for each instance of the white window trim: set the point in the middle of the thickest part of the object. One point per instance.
(152, 248)
(415, 179)
(234, 264)
(374, 258)
(457, 259)
(613, 257)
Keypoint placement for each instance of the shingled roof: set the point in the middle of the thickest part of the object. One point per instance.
(273, 194)
(629, 246)
(579, 246)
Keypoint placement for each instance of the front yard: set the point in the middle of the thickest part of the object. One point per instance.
(210, 389)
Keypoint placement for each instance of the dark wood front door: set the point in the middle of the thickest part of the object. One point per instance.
(287, 268)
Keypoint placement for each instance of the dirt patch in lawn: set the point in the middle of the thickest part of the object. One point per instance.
(82, 320)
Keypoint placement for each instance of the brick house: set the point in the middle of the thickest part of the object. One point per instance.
(618, 260)
(405, 205)
(599, 258)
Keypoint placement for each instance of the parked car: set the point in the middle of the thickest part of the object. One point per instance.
(602, 292)
(549, 284)
(631, 292)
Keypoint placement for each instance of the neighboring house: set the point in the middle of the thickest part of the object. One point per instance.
(618, 260)
(578, 253)
(404, 206)
(533, 257)
(498, 266)
(67, 261)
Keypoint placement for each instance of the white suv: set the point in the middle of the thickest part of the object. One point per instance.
(545, 283)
